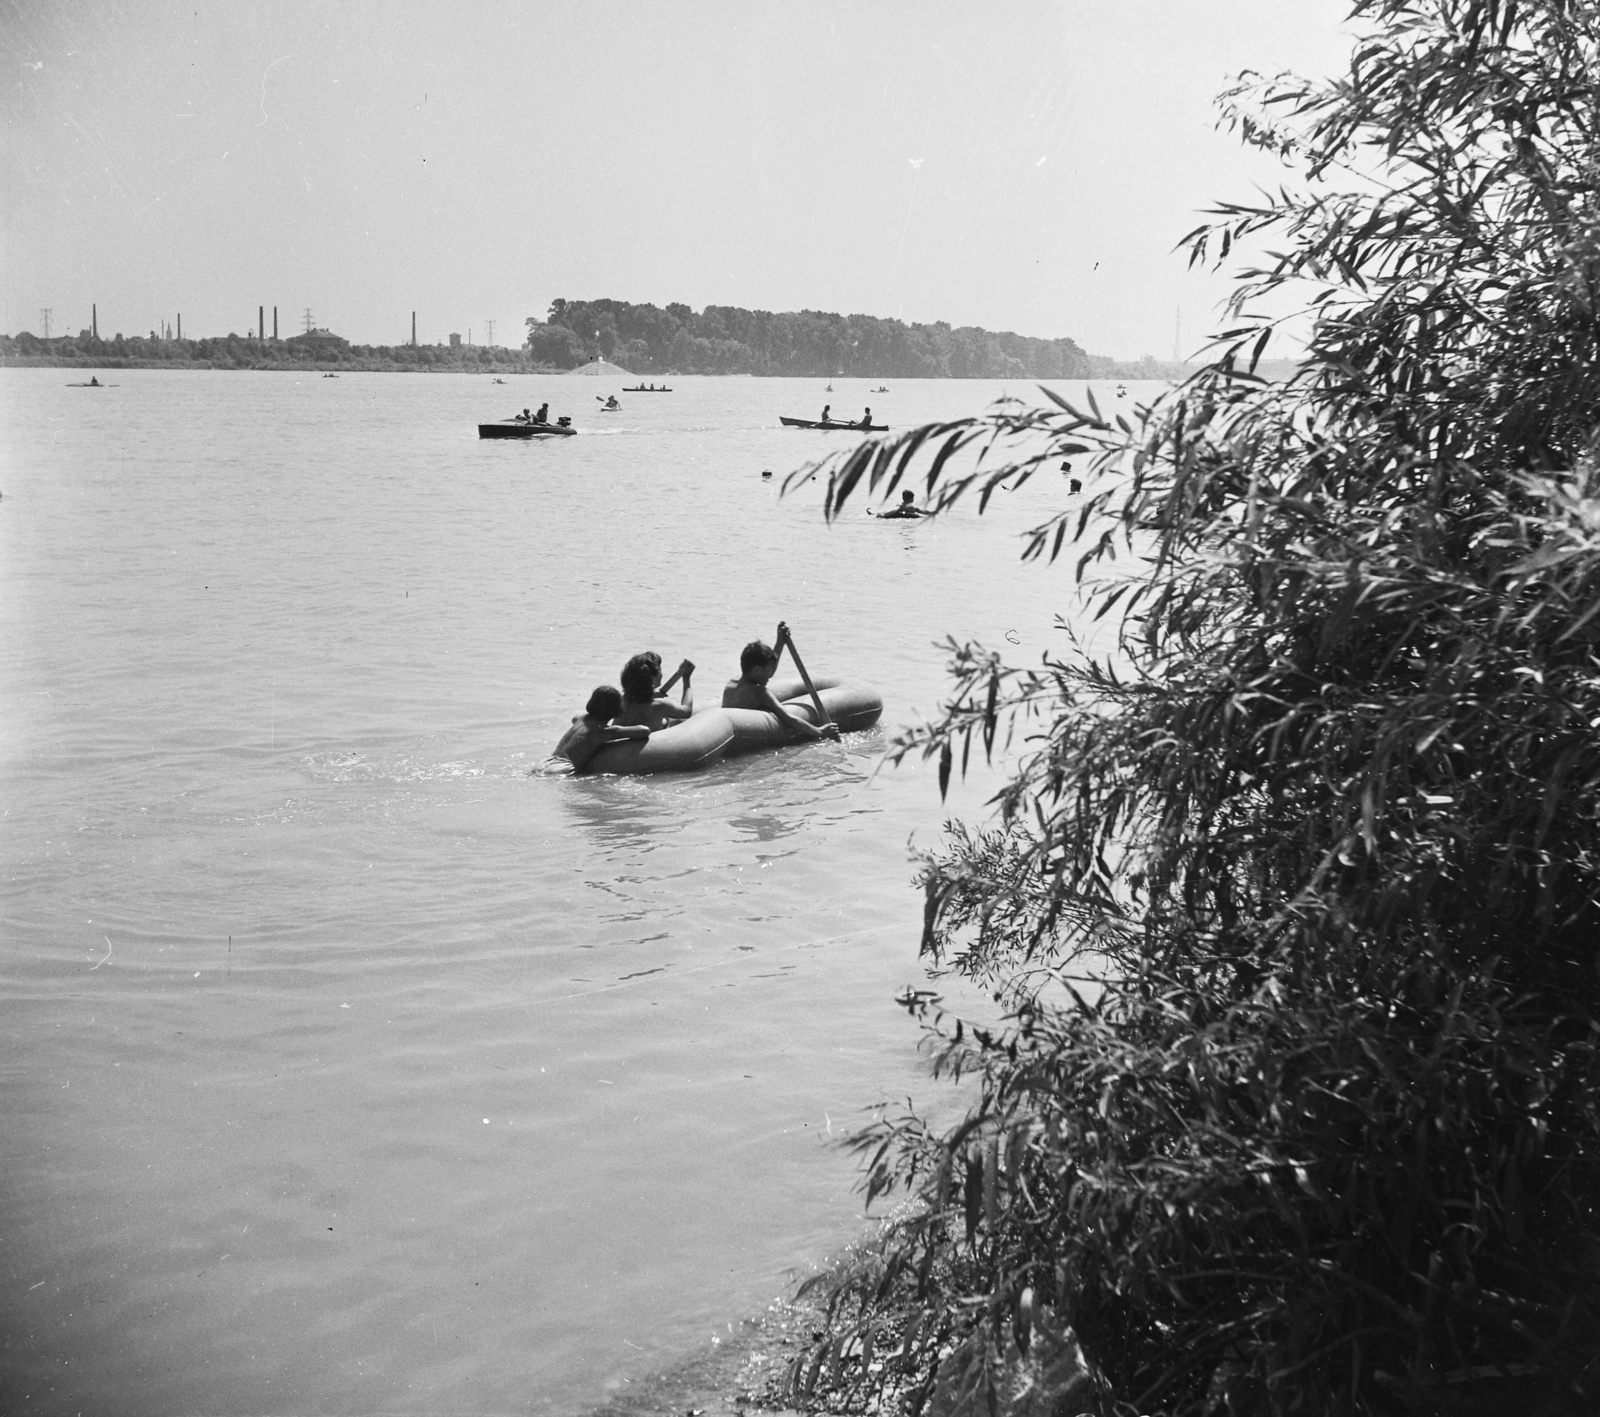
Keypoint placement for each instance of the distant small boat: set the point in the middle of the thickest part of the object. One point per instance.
(647, 389)
(92, 384)
(832, 426)
(881, 389)
(497, 381)
(525, 428)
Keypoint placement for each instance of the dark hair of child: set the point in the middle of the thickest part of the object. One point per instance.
(638, 677)
(754, 653)
(605, 703)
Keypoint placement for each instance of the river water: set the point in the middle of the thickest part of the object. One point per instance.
(348, 1068)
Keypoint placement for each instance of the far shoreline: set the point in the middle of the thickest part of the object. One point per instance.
(88, 366)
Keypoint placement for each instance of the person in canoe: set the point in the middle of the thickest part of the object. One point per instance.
(907, 508)
(825, 409)
(644, 695)
(757, 662)
(94, 383)
(866, 419)
(593, 729)
(611, 402)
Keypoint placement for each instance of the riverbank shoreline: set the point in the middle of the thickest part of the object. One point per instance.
(297, 366)
(738, 1373)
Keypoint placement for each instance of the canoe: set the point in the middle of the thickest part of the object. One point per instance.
(833, 426)
(717, 733)
(515, 428)
(643, 390)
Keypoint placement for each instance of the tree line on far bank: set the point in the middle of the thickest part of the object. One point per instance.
(642, 339)
(725, 339)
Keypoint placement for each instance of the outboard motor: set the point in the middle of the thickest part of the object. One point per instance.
(563, 423)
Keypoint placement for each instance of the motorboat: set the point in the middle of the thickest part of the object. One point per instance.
(526, 428)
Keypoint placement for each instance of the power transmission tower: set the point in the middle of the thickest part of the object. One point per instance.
(488, 333)
(309, 325)
(44, 319)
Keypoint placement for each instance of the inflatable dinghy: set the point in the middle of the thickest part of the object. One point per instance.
(713, 734)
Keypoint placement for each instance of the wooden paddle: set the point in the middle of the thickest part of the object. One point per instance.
(676, 675)
(785, 638)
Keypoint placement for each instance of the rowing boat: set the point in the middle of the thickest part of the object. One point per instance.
(832, 426)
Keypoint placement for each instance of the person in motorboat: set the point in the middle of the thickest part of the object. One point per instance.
(543, 415)
(757, 663)
(593, 729)
(644, 696)
(907, 508)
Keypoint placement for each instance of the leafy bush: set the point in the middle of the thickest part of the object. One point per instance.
(1292, 900)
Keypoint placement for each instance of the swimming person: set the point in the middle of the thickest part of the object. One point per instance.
(757, 661)
(643, 698)
(592, 729)
(907, 508)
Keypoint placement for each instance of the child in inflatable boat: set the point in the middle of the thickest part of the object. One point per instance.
(643, 693)
(757, 663)
(593, 729)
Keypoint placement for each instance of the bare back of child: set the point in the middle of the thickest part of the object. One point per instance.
(593, 729)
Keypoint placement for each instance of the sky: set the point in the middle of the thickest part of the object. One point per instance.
(1022, 166)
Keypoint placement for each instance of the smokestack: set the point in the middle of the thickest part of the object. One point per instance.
(180, 325)
(94, 320)
(274, 324)
(413, 329)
